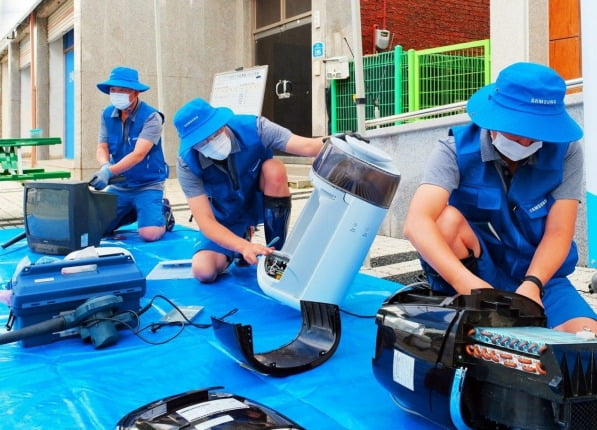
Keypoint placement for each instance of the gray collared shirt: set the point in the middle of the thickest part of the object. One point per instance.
(442, 168)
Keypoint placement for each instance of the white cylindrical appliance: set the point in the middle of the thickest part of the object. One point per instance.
(354, 184)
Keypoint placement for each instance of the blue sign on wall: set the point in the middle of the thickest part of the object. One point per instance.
(318, 50)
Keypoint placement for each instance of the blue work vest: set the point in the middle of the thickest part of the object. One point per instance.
(236, 204)
(153, 167)
(519, 215)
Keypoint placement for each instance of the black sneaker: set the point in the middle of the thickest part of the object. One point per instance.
(167, 211)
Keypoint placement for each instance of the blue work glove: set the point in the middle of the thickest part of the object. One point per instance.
(101, 178)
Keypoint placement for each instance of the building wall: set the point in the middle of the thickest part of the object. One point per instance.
(422, 24)
(25, 105)
(56, 99)
(335, 31)
(178, 46)
(519, 32)
(13, 91)
(4, 98)
(176, 49)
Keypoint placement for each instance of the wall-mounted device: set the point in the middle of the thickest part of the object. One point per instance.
(354, 184)
(382, 39)
(336, 68)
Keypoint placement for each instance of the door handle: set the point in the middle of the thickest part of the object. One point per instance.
(284, 89)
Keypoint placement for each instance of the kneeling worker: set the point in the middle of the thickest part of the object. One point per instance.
(130, 147)
(232, 182)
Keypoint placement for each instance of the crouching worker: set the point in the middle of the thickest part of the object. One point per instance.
(498, 200)
(232, 182)
(130, 148)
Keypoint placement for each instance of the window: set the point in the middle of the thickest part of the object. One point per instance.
(296, 7)
(275, 12)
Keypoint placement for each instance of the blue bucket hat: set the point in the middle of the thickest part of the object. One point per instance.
(124, 77)
(197, 120)
(526, 100)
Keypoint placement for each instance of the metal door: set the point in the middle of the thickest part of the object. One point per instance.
(287, 99)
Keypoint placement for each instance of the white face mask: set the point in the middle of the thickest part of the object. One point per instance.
(218, 148)
(514, 150)
(120, 100)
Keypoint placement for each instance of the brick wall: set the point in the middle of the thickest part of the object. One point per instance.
(422, 24)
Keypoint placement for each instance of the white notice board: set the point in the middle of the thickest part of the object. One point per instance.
(240, 90)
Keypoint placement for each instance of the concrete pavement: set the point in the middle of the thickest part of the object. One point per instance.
(389, 258)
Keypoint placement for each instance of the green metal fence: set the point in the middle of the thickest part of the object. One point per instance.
(398, 81)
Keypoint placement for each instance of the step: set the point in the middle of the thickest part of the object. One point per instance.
(298, 175)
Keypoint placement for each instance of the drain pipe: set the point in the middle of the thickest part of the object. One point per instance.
(358, 65)
(158, 53)
(33, 77)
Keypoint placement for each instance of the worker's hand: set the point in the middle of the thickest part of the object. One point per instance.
(530, 291)
(101, 178)
(351, 134)
(251, 251)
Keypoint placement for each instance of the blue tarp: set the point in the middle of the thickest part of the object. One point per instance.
(70, 385)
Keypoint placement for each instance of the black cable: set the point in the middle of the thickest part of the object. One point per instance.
(135, 328)
(155, 326)
(14, 240)
(589, 290)
(144, 308)
(137, 331)
(356, 315)
(349, 48)
(227, 314)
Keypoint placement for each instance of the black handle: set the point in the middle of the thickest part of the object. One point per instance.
(46, 327)
(14, 240)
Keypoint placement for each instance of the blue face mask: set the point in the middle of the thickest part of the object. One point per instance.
(514, 150)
